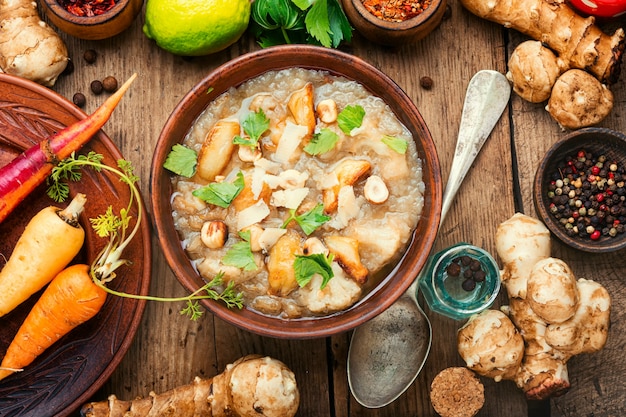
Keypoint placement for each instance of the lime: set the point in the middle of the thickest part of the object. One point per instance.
(196, 27)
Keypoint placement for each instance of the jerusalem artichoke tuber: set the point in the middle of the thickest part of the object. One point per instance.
(29, 48)
(557, 316)
(252, 386)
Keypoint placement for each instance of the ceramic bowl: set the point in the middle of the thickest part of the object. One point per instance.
(103, 26)
(597, 141)
(234, 73)
(389, 33)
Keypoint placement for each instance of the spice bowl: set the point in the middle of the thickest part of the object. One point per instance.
(460, 281)
(397, 32)
(102, 24)
(580, 191)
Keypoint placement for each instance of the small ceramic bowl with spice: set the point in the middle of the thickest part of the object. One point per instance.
(460, 281)
(394, 23)
(92, 19)
(580, 190)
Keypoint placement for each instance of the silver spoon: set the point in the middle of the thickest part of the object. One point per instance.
(388, 352)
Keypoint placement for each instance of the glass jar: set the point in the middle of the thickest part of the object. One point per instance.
(442, 283)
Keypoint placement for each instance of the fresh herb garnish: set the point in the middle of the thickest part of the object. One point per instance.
(308, 221)
(321, 142)
(116, 227)
(240, 254)
(255, 124)
(351, 117)
(221, 193)
(306, 266)
(181, 161)
(316, 22)
(396, 144)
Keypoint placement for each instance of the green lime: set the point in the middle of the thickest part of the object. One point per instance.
(196, 27)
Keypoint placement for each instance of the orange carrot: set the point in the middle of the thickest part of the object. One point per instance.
(29, 169)
(71, 299)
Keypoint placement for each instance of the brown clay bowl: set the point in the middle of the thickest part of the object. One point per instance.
(103, 26)
(248, 66)
(384, 32)
(598, 141)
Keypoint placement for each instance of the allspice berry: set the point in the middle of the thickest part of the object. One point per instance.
(90, 56)
(79, 99)
(97, 87)
(110, 84)
(426, 82)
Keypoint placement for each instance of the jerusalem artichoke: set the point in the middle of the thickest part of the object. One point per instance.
(252, 386)
(574, 42)
(556, 315)
(29, 48)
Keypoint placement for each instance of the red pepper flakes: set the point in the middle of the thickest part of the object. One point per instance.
(87, 8)
(396, 10)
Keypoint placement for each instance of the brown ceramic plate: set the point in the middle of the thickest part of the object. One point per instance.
(71, 371)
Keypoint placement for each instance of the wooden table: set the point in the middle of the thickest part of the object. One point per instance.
(169, 350)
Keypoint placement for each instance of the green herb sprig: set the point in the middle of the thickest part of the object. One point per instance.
(308, 221)
(316, 22)
(116, 227)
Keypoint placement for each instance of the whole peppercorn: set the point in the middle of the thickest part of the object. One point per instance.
(97, 87)
(110, 84)
(90, 56)
(79, 99)
(69, 68)
(426, 82)
(454, 269)
(469, 284)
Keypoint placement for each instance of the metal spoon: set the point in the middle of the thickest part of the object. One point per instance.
(388, 352)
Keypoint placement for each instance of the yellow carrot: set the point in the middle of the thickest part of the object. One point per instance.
(71, 299)
(50, 241)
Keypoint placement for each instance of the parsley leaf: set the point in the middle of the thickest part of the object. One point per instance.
(181, 161)
(351, 117)
(317, 22)
(240, 254)
(221, 193)
(306, 266)
(397, 144)
(308, 221)
(322, 142)
(254, 125)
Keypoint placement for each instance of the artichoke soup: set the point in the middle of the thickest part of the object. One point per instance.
(302, 189)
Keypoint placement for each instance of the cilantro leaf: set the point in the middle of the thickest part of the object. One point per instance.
(351, 117)
(340, 28)
(240, 254)
(308, 221)
(181, 161)
(306, 266)
(254, 125)
(322, 142)
(397, 144)
(221, 193)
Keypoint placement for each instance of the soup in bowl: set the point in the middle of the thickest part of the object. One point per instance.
(307, 181)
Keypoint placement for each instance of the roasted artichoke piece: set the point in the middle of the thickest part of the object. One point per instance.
(217, 149)
(348, 172)
(281, 274)
(346, 252)
(302, 107)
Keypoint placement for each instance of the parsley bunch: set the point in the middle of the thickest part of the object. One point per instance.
(316, 22)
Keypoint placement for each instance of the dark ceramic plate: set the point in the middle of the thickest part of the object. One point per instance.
(72, 370)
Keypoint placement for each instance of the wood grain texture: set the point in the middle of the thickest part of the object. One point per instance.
(169, 350)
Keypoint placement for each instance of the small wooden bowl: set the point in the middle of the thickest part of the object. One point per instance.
(106, 25)
(598, 141)
(393, 33)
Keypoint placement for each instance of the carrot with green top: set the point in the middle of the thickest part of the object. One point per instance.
(71, 299)
(29, 169)
(51, 239)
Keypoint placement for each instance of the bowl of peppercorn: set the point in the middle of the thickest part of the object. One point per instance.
(394, 23)
(92, 19)
(580, 190)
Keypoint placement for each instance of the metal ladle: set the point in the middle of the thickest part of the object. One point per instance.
(388, 352)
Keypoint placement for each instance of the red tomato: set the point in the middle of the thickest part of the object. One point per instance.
(600, 8)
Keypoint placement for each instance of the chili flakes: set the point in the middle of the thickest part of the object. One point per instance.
(87, 8)
(396, 10)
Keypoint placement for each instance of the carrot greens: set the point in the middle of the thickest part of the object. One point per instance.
(116, 227)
